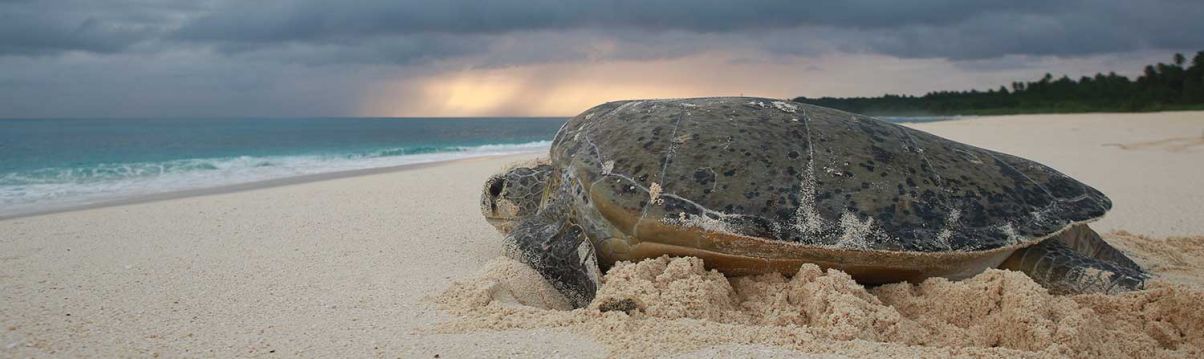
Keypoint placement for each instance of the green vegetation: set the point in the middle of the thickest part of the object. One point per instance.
(1161, 87)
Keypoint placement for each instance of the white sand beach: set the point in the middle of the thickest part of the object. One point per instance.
(362, 266)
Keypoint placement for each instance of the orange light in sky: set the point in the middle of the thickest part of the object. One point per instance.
(568, 88)
(472, 93)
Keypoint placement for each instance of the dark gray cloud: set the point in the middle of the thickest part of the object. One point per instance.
(1091, 28)
(408, 31)
(252, 57)
(177, 83)
(927, 28)
(40, 27)
(408, 50)
(315, 20)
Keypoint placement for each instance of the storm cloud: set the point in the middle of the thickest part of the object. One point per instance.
(926, 28)
(225, 39)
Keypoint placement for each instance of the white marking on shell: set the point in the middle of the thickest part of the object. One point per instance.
(834, 172)
(701, 222)
(785, 107)
(950, 224)
(854, 231)
(1010, 232)
(654, 193)
(807, 218)
(1039, 215)
(608, 166)
(681, 139)
(970, 156)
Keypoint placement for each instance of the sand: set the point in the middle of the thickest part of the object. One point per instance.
(401, 264)
(682, 307)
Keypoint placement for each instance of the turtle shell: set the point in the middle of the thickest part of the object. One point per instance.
(804, 175)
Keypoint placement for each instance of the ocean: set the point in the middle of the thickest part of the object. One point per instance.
(50, 164)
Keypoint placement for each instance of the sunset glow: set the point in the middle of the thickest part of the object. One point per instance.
(565, 89)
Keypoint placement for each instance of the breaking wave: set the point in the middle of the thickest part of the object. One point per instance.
(63, 187)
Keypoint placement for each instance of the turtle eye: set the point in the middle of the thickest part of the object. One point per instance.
(495, 187)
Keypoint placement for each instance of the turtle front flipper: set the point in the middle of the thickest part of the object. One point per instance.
(1078, 261)
(560, 252)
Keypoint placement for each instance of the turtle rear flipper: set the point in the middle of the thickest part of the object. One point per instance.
(560, 252)
(1078, 261)
(1087, 242)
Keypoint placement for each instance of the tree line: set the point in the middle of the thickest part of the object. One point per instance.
(1160, 87)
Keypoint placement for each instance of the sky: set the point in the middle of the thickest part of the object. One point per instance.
(286, 58)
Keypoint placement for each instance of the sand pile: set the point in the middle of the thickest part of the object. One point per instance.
(673, 305)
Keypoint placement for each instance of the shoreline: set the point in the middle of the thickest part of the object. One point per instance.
(286, 181)
(354, 266)
(249, 186)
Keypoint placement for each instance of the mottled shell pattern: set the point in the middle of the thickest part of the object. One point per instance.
(809, 175)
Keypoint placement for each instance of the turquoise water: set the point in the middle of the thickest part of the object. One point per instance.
(58, 163)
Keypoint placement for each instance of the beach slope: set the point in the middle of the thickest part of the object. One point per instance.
(362, 266)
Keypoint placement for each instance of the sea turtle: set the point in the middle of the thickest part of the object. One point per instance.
(755, 185)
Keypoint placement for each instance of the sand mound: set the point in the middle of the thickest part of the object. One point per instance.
(675, 305)
(505, 283)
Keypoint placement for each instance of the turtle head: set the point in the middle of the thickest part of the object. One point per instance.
(513, 194)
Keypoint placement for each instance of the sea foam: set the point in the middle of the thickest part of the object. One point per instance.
(64, 187)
